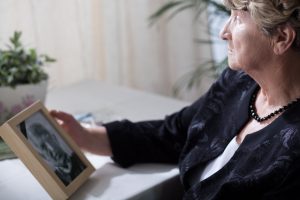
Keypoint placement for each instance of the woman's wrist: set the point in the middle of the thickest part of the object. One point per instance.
(97, 141)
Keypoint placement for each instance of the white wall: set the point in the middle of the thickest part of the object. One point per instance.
(108, 40)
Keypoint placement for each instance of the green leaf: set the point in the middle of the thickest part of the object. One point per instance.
(15, 40)
(19, 65)
(165, 8)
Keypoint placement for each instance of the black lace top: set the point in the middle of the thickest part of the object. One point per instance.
(265, 166)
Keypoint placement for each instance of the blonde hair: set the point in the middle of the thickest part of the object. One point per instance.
(269, 14)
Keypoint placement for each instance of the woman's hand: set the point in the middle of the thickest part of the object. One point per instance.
(94, 139)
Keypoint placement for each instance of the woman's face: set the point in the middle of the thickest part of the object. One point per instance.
(248, 47)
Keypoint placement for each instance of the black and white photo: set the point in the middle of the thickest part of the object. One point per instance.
(51, 147)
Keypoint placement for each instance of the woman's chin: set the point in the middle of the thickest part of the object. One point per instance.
(233, 66)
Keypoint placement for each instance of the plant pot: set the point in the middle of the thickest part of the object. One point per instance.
(13, 100)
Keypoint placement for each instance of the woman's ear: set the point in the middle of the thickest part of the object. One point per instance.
(283, 38)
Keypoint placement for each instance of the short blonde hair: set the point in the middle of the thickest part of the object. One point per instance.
(269, 14)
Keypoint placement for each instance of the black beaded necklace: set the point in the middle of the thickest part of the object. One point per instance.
(254, 115)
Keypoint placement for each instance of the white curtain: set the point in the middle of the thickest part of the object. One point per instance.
(109, 40)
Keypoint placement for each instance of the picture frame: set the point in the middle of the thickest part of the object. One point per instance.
(47, 151)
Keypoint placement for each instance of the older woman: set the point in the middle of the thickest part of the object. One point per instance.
(241, 140)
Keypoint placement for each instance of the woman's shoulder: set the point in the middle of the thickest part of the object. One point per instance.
(287, 129)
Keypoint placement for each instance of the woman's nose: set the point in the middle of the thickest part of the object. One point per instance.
(225, 32)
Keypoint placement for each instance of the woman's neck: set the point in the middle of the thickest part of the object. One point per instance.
(279, 83)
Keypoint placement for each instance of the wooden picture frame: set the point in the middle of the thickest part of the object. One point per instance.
(47, 151)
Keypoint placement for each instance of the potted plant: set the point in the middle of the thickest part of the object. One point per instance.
(22, 81)
(213, 9)
(22, 77)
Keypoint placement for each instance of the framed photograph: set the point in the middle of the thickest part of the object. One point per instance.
(47, 151)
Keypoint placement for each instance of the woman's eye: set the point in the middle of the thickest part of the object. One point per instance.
(236, 18)
(233, 17)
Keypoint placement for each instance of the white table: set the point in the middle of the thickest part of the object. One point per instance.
(108, 182)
